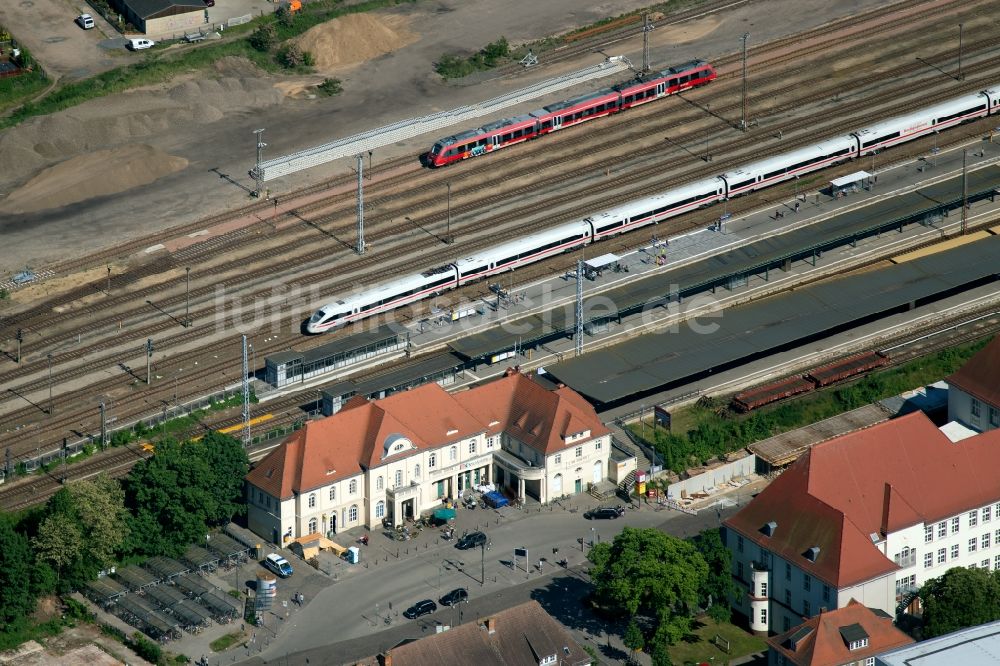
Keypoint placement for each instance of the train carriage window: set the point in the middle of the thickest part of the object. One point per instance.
(743, 184)
(506, 137)
(613, 225)
(476, 271)
(672, 82)
(945, 119)
(547, 125)
(880, 139)
(779, 172)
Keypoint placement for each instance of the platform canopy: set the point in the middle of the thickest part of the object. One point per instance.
(600, 262)
(850, 179)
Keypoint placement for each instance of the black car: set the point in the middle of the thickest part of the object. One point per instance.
(420, 608)
(471, 540)
(456, 596)
(605, 512)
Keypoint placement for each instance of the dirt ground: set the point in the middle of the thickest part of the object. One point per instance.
(83, 645)
(193, 138)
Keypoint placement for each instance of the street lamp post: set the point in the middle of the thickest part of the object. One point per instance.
(482, 563)
(49, 357)
(187, 296)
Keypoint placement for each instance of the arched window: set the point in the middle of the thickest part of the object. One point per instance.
(352, 488)
(416, 471)
(380, 509)
(432, 461)
(472, 446)
(453, 453)
(378, 483)
(333, 493)
(312, 500)
(312, 525)
(352, 515)
(399, 477)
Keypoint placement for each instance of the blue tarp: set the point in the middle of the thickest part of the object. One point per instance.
(495, 499)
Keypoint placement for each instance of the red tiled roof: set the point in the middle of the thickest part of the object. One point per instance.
(355, 438)
(540, 418)
(980, 376)
(825, 646)
(884, 478)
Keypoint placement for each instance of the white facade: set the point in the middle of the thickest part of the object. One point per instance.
(776, 595)
(972, 411)
(412, 481)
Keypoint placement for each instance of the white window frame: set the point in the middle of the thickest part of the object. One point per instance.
(954, 551)
(380, 509)
(928, 560)
(955, 525)
(352, 487)
(312, 526)
(312, 500)
(399, 478)
(333, 493)
(352, 514)
(928, 533)
(432, 461)
(579, 452)
(973, 518)
(472, 447)
(379, 482)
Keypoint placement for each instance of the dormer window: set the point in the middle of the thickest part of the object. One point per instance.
(394, 444)
(857, 645)
(854, 636)
(551, 659)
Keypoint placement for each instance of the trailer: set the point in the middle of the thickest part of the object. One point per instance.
(773, 392)
(846, 368)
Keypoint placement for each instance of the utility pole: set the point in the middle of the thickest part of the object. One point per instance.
(360, 249)
(104, 426)
(19, 336)
(579, 307)
(149, 356)
(246, 397)
(965, 191)
(482, 553)
(109, 279)
(49, 357)
(647, 28)
(371, 173)
(187, 296)
(961, 77)
(260, 156)
(447, 232)
(743, 120)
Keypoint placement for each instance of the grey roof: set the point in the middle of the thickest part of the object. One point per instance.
(745, 260)
(153, 8)
(337, 347)
(651, 362)
(853, 632)
(226, 546)
(397, 377)
(974, 645)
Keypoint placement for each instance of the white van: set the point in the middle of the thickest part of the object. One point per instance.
(137, 44)
(85, 21)
(278, 565)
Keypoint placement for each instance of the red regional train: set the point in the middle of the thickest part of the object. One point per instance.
(604, 102)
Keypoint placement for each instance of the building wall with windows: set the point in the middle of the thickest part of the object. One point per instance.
(396, 458)
(974, 391)
(869, 516)
(972, 411)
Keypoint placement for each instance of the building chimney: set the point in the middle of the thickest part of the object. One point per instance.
(491, 625)
(386, 659)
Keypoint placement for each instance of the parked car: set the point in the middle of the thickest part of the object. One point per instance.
(278, 565)
(605, 512)
(471, 540)
(456, 596)
(138, 44)
(85, 21)
(420, 608)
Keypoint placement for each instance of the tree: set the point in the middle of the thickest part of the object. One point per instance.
(714, 596)
(633, 639)
(229, 464)
(16, 558)
(264, 37)
(958, 599)
(100, 510)
(286, 16)
(660, 655)
(291, 56)
(647, 570)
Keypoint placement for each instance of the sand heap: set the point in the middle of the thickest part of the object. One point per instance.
(355, 38)
(94, 174)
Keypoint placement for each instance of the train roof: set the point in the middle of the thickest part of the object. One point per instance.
(568, 103)
(923, 117)
(519, 245)
(381, 291)
(507, 122)
(461, 136)
(770, 164)
(705, 186)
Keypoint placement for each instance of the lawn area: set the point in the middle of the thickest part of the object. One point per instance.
(701, 649)
(227, 641)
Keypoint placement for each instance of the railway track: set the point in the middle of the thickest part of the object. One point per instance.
(360, 265)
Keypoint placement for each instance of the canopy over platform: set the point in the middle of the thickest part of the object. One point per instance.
(600, 262)
(849, 180)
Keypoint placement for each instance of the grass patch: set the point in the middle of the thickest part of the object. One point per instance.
(697, 647)
(709, 429)
(15, 90)
(225, 642)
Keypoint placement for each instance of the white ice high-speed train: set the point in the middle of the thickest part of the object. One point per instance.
(687, 197)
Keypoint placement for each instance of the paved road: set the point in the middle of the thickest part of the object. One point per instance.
(343, 619)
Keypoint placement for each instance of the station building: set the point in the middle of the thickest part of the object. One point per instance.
(871, 515)
(392, 459)
(974, 391)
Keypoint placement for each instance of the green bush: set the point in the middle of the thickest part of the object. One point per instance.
(291, 56)
(453, 67)
(145, 648)
(330, 87)
(264, 37)
(4, 294)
